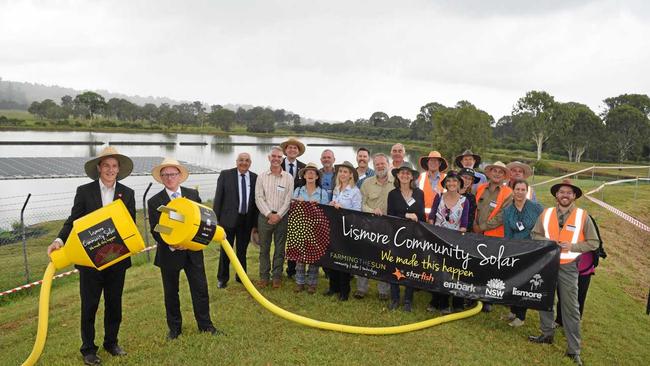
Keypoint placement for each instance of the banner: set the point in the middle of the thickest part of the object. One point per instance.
(417, 254)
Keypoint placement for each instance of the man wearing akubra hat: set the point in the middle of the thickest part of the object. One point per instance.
(292, 149)
(105, 170)
(519, 170)
(472, 161)
(491, 199)
(575, 233)
(430, 182)
(172, 260)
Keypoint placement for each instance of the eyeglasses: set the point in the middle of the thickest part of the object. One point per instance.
(169, 175)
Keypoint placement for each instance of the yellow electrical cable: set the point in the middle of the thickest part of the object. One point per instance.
(43, 315)
(333, 326)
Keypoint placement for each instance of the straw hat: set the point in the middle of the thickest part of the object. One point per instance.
(406, 165)
(295, 142)
(126, 164)
(424, 160)
(518, 164)
(167, 162)
(309, 166)
(348, 165)
(498, 165)
(467, 153)
(567, 182)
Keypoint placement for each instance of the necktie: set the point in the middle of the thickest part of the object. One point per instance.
(291, 168)
(175, 195)
(244, 204)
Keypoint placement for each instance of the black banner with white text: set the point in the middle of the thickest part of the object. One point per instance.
(395, 250)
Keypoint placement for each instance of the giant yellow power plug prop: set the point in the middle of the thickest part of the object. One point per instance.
(99, 240)
(191, 225)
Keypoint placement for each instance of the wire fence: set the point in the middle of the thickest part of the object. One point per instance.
(29, 223)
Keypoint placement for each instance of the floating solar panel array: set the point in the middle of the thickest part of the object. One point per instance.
(72, 167)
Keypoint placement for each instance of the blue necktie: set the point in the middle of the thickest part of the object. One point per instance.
(244, 204)
(175, 195)
(291, 169)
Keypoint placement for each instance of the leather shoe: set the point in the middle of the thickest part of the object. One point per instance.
(222, 284)
(575, 358)
(92, 359)
(328, 293)
(262, 283)
(359, 295)
(343, 297)
(214, 331)
(541, 339)
(311, 290)
(277, 283)
(116, 350)
(173, 334)
(299, 288)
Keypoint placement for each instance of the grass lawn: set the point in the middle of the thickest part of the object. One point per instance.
(615, 328)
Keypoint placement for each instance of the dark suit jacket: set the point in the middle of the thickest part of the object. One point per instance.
(297, 182)
(88, 199)
(226, 199)
(164, 256)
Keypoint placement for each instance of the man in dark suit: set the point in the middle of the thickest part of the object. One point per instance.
(172, 260)
(234, 205)
(105, 170)
(292, 149)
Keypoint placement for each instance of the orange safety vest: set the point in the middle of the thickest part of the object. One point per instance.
(429, 193)
(504, 192)
(571, 232)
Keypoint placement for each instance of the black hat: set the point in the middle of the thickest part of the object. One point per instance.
(467, 153)
(453, 175)
(567, 182)
(471, 173)
(406, 165)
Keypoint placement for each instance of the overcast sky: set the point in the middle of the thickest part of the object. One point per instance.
(333, 60)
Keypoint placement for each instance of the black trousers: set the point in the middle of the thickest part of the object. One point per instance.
(340, 282)
(441, 301)
(91, 285)
(291, 268)
(198, 289)
(583, 288)
(241, 233)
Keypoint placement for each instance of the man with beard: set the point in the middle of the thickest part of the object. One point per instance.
(374, 193)
(575, 233)
(363, 157)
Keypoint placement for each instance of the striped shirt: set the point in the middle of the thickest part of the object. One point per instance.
(273, 192)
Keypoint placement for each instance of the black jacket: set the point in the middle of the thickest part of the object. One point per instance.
(173, 260)
(297, 182)
(226, 199)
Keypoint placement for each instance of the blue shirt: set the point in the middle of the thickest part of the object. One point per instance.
(518, 224)
(483, 179)
(326, 181)
(349, 198)
(362, 178)
(320, 195)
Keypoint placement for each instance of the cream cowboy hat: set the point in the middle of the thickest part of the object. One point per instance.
(295, 142)
(126, 164)
(527, 170)
(167, 162)
(309, 166)
(498, 165)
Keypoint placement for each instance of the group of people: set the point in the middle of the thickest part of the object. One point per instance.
(499, 203)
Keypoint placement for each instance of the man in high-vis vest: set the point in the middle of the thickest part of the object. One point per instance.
(572, 229)
(491, 198)
(430, 181)
(519, 170)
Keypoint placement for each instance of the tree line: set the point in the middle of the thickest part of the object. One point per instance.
(538, 122)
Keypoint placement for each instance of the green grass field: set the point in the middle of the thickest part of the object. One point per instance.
(615, 327)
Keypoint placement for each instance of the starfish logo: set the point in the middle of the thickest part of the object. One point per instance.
(398, 274)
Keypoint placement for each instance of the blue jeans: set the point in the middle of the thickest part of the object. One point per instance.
(312, 274)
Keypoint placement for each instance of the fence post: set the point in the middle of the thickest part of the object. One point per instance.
(146, 220)
(22, 226)
(636, 188)
(533, 177)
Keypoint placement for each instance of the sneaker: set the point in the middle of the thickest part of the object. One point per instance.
(508, 317)
(359, 295)
(446, 311)
(516, 323)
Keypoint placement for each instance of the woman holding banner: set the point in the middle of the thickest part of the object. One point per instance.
(310, 192)
(518, 221)
(345, 195)
(451, 211)
(406, 201)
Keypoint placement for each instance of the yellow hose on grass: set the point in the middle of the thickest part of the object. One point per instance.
(43, 316)
(334, 326)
